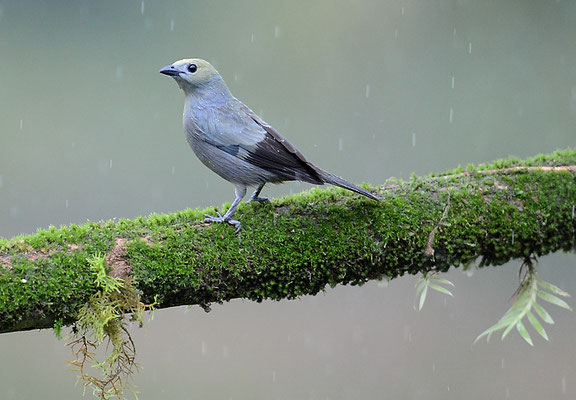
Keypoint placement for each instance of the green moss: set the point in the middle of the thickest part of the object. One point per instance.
(100, 319)
(298, 244)
(559, 157)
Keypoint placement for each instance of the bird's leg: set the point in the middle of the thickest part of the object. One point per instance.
(256, 195)
(240, 191)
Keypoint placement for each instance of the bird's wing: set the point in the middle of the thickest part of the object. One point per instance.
(245, 135)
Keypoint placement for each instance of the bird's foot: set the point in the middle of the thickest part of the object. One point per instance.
(220, 218)
(258, 199)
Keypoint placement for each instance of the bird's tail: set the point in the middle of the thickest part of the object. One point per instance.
(337, 181)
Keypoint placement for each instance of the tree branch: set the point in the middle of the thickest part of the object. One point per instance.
(297, 245)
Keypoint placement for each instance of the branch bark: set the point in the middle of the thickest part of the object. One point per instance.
(299, 244)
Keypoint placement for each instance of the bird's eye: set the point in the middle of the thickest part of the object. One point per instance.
(192, 68)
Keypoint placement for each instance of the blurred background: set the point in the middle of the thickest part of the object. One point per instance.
(89, 130)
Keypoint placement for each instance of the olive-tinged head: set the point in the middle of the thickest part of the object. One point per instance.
(192, 73)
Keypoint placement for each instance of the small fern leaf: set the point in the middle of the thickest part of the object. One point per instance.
(440, 289)
(550, 298)
(422, 283)
(547, 286)
(537, 325)
(524, 332)
(543, 314)
(423, 297)
(441, 280)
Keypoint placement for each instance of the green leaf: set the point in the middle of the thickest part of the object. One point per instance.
(488, 332)
(522, 331)
(433, 282)
(550, 298)
(440, 289)
(496, 327)
(537, 325)
(421, 285)
(552, 288)
(422, 298)
(441, 280)
(509, 327)
(543, 314)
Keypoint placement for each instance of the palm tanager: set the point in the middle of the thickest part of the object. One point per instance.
(237, 144)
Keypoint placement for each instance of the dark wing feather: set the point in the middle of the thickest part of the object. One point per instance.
(276, 154)
(239, 132)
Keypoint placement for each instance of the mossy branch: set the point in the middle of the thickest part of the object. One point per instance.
(299, 244)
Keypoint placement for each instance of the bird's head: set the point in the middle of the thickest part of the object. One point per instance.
(192, 74)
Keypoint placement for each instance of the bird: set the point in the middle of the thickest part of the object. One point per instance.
(235, 143)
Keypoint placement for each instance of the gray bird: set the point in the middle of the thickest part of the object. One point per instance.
(236, 143)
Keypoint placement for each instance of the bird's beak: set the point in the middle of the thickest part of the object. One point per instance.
(169, 70)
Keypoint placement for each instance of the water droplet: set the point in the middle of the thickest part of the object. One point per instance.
(367, 91)
(340, 144)
(451, 117)
(402, 11)
(453, 82)
(172, 25)
(413, 139)
(252, 38)
(276, 32)
(142, 8)
(119, 72)
(395, 33)
(173, 170)
(110, 164)
(21, 123)
(66, 203)
(454, 33)
(433, 367)
(273, 376)
(204, 348)
(2, 183)
(407, 334)
(469, 47)
(502, 363)
(225, 351)
(564, 384)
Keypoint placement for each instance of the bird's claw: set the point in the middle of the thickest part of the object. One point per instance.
(259, 199)
(220, 218)
(210, 218)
